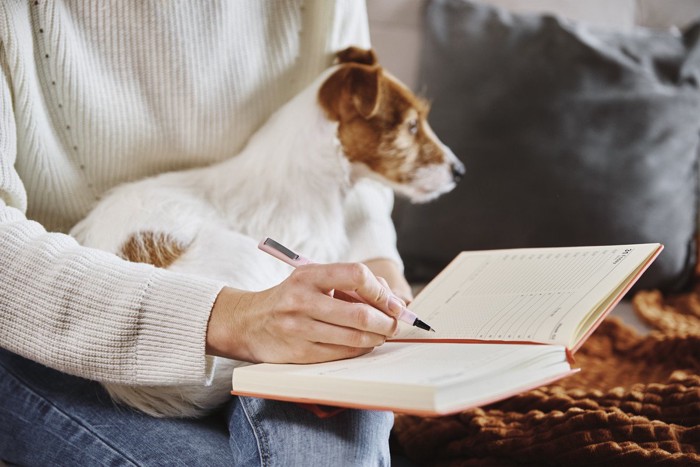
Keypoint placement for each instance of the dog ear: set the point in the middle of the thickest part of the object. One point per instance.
(365, 89)
(353, 89)
(357, 55)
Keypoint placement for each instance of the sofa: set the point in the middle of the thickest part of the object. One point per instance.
(579, 123)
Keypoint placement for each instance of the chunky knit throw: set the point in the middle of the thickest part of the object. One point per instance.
(635, 402)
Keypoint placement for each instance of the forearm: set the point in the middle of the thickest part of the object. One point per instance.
(89, 313)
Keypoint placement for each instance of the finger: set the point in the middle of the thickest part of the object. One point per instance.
(358, 316)
(402, 299)
(320, 352)
(352, 278)
(325, 333)
(390, 270)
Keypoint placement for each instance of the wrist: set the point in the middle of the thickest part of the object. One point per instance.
(224, 337)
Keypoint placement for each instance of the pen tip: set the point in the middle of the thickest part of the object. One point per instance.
(420, 324)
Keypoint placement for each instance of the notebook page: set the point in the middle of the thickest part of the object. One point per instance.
(421, 364)
(536, 295)
(409, 376)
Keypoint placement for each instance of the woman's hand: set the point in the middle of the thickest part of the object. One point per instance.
(299, 320)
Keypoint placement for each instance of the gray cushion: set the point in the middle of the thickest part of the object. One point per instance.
(570, 136)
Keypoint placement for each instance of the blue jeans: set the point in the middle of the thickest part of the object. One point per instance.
(50, 418)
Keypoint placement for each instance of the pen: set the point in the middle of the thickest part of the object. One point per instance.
(283, 253)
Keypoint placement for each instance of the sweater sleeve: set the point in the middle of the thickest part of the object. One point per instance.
(368, 222)
(87, 312)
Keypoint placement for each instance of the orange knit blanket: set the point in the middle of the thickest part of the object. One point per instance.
(635, 402)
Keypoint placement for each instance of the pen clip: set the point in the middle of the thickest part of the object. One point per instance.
(282, 253)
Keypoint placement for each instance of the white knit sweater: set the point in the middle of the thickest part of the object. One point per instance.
(93, 94)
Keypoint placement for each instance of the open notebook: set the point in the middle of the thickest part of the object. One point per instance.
(506, 321)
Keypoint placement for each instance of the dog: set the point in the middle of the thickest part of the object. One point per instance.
(290, 182)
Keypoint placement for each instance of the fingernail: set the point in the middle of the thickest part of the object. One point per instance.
(396, 305)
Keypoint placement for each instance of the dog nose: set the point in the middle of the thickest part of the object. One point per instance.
(457, 171)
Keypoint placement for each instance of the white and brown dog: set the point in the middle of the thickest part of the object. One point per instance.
(290, 182)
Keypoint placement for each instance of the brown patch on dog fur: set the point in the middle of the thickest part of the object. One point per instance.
(381, 122)
(156, 248)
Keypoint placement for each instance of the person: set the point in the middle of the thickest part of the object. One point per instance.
(93, 94)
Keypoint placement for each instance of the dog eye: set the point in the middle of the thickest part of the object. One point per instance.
(413, 126)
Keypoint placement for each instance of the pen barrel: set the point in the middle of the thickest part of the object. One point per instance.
(301, 261)
(407, 316)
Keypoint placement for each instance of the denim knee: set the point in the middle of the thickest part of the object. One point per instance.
(264, 432)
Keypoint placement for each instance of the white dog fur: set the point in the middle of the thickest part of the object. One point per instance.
(289, 182)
